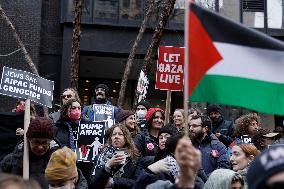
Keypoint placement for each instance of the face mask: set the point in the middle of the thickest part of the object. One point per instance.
(68, 186)
(140, 114)
(20, 108)
(75, 114)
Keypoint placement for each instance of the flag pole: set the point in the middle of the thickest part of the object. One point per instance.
(26, 146)
(185, 89)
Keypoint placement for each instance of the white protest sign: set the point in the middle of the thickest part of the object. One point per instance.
(25, 85)
(142, 86)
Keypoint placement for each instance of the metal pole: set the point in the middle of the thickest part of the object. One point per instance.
(241, 12)
(265, 17)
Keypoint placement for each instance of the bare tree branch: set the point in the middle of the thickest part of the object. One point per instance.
(132, 53)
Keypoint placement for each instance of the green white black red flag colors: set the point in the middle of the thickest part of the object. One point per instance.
(231, 64)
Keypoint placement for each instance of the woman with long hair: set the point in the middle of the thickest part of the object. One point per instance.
(116, 166)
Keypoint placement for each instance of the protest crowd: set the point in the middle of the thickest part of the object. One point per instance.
(136, 149)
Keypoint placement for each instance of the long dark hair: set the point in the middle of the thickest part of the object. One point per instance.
(65, 108)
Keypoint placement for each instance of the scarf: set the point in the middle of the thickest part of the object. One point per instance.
(106, 155)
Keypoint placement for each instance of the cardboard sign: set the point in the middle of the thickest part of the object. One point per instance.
(142, 86)
(169, 75)
(25, 85)
(103, 112)
(90, 140)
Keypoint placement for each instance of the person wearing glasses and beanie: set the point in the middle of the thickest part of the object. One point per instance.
(41, 146)
(102, 93)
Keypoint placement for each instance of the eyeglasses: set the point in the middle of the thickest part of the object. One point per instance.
(68, 96)
(75, 107)
(40, 143)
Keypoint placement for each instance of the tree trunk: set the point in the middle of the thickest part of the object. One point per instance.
(19, 41)
(132, 53)
(166, 10)
(22, 47)
(76, 44)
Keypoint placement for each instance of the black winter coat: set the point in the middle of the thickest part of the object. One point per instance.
(13, 163)
(146, 144)
(62, 135)
(126, 181)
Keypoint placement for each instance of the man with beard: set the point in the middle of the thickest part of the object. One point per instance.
(101, 108)
(223, 129)
(214, 152)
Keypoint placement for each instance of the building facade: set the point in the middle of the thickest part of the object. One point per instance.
(109, 28)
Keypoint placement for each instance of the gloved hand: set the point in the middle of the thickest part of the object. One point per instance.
(160, 166)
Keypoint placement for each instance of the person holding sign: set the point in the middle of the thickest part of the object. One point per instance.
(66, 128)
(101, 109)
(116, 165)
(41, 146)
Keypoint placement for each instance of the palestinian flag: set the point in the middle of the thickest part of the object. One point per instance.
(232, 64)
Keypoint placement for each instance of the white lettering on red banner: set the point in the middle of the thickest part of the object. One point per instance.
(170, 63)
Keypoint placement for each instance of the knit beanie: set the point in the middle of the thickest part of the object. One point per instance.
(103, 86)
(168, 128)
(61, 166)
(40, 127)
(267, 164)
(214, 108)
(144, 103)
(123, 114)
(151, 112)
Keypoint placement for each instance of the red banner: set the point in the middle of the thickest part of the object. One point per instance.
(170, 63)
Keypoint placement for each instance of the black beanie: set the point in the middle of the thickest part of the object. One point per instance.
(214, 108)
(267, 164)
(144, 103)
(40, 127)
(123, 114)
(103, 86)
(168, 128)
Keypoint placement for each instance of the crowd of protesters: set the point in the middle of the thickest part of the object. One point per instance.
(203, 150)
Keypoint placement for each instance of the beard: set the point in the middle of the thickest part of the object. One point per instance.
(198, 135)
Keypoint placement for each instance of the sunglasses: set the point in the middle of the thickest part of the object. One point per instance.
(68, 96)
